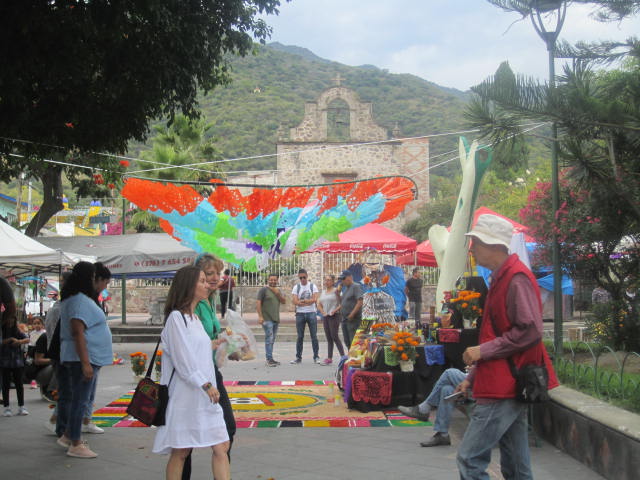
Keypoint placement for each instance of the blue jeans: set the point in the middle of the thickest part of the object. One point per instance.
(270, 331)
(503, 422)
(73, 411)
(445, 385)
(64, 399)
(302, 319)
(92, 398)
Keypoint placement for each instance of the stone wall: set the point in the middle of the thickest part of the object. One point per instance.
(597, 434)
(139, 299)
(307, 155)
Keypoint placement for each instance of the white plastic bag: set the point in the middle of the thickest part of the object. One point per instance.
(239, 342)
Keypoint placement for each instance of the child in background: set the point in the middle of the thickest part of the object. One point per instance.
(37, 329)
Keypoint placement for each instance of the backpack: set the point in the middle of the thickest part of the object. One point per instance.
(54, 347)
(298, 289)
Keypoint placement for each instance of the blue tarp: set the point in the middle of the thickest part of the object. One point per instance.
(545, 282)
(395, 286)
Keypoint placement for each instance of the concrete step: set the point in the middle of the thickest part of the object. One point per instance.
(286, 333)
(136, 330)
(136, 333)
(150, 333)
(135, 338)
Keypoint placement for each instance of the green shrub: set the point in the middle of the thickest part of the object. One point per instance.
(614, 324)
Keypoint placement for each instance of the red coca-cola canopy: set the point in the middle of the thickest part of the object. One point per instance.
(370, 236)
(423, 256)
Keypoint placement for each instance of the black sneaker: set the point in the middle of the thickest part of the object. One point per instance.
(272, 363)
(437, 440)
(296, 361)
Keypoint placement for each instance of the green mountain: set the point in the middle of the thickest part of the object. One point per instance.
(270, 88)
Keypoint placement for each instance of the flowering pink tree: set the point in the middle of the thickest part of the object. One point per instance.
(599, 240)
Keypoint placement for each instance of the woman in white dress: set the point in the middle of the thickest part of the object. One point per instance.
(194, 418)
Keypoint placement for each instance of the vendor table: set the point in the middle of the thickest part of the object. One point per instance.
(384, 386)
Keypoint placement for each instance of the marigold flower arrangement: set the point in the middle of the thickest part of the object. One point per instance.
(380, 328)
(404, 346)
(376, 279)
(158, 364)
(138, 362)
(467, 303)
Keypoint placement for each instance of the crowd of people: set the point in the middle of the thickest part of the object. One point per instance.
(336, 298)
(74, 342)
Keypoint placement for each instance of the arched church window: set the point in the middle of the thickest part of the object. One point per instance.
(338, 121)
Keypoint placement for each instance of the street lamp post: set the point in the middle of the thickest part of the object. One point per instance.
(547, 17)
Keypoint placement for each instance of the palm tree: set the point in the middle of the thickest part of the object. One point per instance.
(597, 115)
(177, 150)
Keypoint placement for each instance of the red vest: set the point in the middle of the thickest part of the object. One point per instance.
(493, 378)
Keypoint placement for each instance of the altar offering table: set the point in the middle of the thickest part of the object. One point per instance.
(384, 386)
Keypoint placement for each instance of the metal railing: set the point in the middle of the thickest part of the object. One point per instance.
(334, 264)
(582, 367)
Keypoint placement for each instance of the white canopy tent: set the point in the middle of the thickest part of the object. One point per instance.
(20, 254)
(25, 258)
(137, 255)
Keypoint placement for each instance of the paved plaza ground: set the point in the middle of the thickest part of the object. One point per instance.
(27, 451)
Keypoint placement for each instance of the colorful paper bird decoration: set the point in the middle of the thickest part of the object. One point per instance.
(249, 226)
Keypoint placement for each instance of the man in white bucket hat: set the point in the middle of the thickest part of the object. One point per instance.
(511, 329)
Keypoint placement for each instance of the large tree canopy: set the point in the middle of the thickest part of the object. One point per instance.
(83, 76)
(606, 10)
(597, 114)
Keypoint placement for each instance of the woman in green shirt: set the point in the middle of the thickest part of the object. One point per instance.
(206, 312)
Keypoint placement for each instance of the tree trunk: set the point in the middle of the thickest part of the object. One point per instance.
(52, 203)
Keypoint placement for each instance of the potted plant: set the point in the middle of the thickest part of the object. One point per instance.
(158, 365)
(403, 346)
(467, 303)
(138, 364)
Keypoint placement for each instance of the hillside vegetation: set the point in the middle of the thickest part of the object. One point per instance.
(271, 87)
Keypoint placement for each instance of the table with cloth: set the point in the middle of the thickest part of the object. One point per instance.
(384, 385)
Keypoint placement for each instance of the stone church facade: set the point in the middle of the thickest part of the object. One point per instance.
(338, 139)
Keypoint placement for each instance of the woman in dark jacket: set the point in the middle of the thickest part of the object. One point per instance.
(11, 356)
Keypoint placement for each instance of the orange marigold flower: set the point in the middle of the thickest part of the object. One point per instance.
(367, 280)
(404, 356)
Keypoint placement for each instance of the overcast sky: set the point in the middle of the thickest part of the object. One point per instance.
(454, 43)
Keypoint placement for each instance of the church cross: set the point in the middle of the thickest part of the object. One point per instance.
(337, 79)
